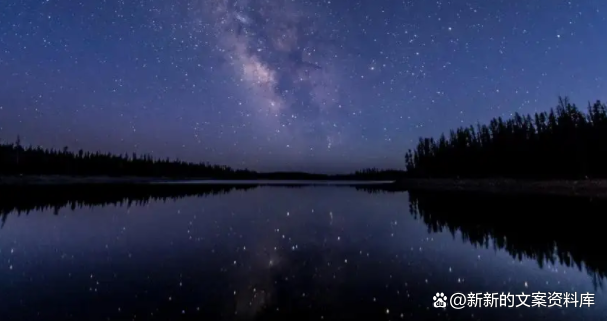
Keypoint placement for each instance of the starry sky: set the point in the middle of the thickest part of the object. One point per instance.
(322, 86)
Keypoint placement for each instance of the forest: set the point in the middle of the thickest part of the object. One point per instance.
(17, 160)
(35, 161)
(563, 143)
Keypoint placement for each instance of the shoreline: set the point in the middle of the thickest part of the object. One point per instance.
(584, 188)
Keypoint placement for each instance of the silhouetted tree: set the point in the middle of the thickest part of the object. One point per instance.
(563, 143)
(16, 160)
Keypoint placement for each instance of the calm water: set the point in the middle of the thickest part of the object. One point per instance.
(311, 253)
(277, 182)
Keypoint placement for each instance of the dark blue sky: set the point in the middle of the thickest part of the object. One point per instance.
(277, 84)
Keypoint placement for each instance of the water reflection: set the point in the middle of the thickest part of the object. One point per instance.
(311, 253)
(24, 199)
(547, 229)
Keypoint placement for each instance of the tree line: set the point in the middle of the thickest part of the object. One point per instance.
(16, 159)
(563, 143)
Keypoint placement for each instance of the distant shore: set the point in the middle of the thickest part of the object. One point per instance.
(585, 188)
(71, 180)
(49, 180)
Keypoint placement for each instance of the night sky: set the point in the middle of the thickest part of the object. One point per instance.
(327, 86)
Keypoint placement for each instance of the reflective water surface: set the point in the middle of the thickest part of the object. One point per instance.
(264, 253)
(274, 182)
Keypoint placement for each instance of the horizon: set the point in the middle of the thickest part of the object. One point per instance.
(25, 144)
(565, 108)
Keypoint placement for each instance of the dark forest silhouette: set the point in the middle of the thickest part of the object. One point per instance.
(17, 160)
(535, 227)
(563, 143)
(31, 161)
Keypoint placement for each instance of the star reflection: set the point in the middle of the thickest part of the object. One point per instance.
(240, 256)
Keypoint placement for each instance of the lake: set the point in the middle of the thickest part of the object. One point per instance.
(301, 253)
(275, 182)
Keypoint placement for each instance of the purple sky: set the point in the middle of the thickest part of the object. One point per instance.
(326, 86)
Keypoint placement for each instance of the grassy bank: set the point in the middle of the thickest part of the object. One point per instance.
(586, 188)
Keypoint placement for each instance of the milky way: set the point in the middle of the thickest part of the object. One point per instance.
(315, 85)
(286, 62)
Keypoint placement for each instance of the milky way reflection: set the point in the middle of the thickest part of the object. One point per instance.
(313, 253)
